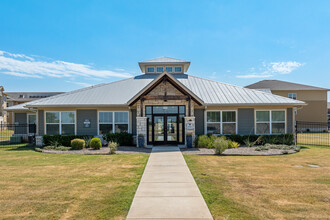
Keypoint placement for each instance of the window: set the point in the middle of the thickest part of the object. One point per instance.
(228, 122)
(178, 69)
(270, 122)
(32, 121)
(113, 122)
(121, 122)
(150, 69)
(221, 122)
(67, 123)
(278, 122)
(105, 122)
(169, 69)
(160, 69)
(60, 123)
(292, 96)
(213, 123)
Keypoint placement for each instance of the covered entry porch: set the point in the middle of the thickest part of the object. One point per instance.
(165, 112)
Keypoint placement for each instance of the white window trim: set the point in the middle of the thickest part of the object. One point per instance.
(176, 71)
(150, 72)
(113, 121)
(60, 121)
(221, 122)
(270, 120)
(27, 120)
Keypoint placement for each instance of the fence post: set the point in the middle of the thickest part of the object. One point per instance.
(295, 133)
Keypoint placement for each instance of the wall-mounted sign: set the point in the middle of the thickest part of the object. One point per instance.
(190, 126)
(87, 123)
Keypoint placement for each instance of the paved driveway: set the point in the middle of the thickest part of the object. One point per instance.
(167, 189)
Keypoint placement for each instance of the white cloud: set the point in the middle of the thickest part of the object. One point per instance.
(272, 69)
(24, 66)
(21, 75)
(284, 67)
(80, 83)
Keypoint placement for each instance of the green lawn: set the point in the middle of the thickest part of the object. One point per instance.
(322, 139)
(269, 187)
(5, 135)
(52, 186)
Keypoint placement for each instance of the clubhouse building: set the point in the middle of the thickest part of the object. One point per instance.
(164, 104)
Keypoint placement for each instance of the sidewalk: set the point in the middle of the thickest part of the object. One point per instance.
(167, 189)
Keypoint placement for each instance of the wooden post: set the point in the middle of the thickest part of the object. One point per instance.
(189, 107)
(141, 106)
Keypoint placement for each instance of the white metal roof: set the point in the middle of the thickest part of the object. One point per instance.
(164, 61)
(120, 92)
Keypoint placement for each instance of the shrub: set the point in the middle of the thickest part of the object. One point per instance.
(267, 139)
(60, 148)
(203, 141)
(87, 142)
(250, 143)
(38, 149)
(212, 138)
(63, 140)
(77, 144)
(113, 147)
(122, 139)
(258, 148)
(96, 143)
(220, 145)
(233, 144)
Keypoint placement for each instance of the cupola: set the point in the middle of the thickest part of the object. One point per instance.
(162, 64)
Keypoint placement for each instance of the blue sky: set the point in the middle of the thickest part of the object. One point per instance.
(66, 45)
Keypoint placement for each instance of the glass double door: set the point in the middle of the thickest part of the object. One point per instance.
(165, 129)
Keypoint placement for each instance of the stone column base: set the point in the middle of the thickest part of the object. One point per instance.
(141, 128)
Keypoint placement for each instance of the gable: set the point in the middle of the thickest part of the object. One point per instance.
(165, 81)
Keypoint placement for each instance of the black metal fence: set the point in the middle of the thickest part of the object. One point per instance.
(17, 134)
(313, 133)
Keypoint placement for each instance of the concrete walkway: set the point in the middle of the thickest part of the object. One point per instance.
(167, 189)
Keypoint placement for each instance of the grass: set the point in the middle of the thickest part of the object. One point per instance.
(5, 135)
(269, 187)
(322, 139)
(57, 186)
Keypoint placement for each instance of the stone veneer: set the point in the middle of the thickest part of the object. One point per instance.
(141, 128)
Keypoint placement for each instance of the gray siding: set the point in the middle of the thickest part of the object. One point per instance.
(41, 122)
(245, 121)
(133, 121)
(289, 118)
(199, 120)
(21, 119)
(91, 115)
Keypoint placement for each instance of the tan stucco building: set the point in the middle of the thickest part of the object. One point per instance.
(315, 97)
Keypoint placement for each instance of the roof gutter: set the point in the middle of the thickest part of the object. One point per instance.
(257, 104)
(79, 105)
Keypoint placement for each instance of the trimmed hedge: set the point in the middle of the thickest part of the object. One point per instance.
(266, 139)
(287, 139)
(96, 143)
(123, 139)
(64, 140)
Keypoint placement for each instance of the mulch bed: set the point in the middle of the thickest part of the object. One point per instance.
(102, 151)
(241, 151)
